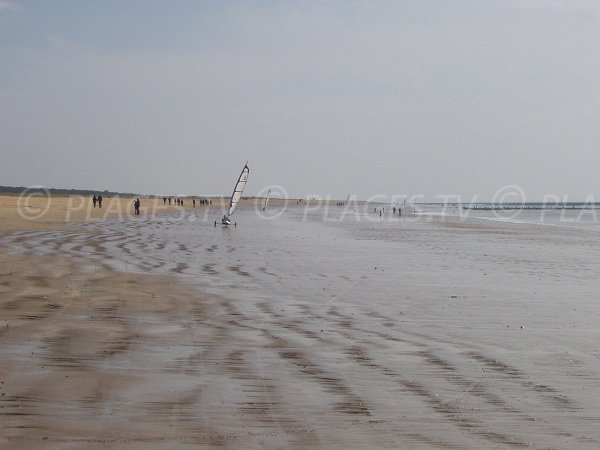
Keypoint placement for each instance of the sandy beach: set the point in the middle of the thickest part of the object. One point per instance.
(303, 331)
(43, 211)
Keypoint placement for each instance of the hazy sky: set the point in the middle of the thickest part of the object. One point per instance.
(399, 97)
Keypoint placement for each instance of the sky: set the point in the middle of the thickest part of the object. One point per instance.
(329, 98)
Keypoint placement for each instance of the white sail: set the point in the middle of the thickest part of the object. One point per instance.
(238, 189)
(267, 200)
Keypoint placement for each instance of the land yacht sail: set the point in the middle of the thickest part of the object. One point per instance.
(266, 202)
(237, 194)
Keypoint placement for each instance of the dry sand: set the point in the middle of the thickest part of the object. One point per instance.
(335, 352)
(41, 212)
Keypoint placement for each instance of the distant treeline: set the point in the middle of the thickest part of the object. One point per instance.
(54, 191)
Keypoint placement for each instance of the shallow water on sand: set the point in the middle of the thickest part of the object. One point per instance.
(385, 333)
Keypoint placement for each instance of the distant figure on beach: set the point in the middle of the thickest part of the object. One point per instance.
(94, 200)
(99, 201)
(169, 201)
(380, 213)
(394, 210)
(164, 200)
(181, 202)
(136, 206)
(194, 202)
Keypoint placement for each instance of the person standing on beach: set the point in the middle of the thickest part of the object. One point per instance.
(194, 202)
(99, 201)
(94, 200)
(164, 200)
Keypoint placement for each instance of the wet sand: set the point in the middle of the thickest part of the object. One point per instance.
(299, 333)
